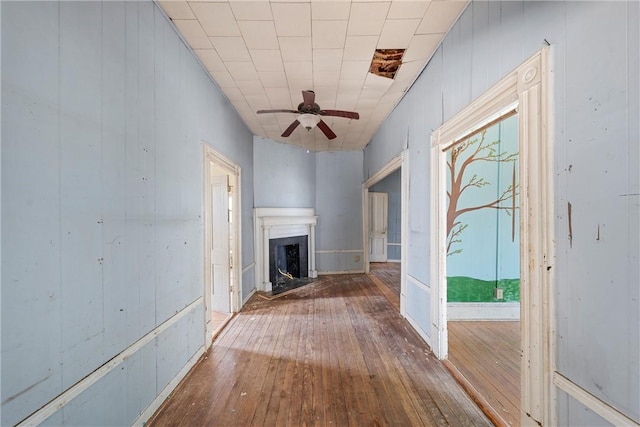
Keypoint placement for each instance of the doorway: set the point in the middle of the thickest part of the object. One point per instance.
(526, 91)
(483, 266)
(385, 197)
(222, 231)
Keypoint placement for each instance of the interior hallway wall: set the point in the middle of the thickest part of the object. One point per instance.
(595, 53)
(104, 113)
(339, 242)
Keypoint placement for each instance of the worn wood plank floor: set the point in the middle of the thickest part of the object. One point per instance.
(334, 353)
(487, 354)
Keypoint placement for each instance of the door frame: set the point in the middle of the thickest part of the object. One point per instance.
(234, 171)
(399, 162)
(526, 89)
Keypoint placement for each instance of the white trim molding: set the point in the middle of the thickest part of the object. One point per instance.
(598, 406)
(401, 162)
(273, 223)
(74, 391)
(525, 89)
(483, 311)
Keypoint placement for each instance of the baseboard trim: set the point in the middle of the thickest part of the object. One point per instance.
(483, 311)
(159, 400)
(592, 402)
(81, 386)
(329, 273)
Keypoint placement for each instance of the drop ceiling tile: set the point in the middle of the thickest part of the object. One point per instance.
(327, 59)
(326, 95)
(301, 70)
(193, 33)
(375, 83)
(251, 10)
(330, 10)
(273, 79)
(279, 97)
(360, 48)
(223, 79)
(367, 19)
(295, 48)
(326, 78)
(354, 70)
(177, 10)
(329, 34)
(242, 70)
(231, 48)
(293, 19)
(296, 86)
(422, 46)
(397, 33)
(216, 18)
(408, 9)
(210, 59)
(250, 87)
(440, 16)
(259, 34)
(258, 102)
(408, 73)
(233, 93)
(267, 60)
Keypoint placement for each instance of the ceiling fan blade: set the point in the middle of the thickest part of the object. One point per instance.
(290, 129)
(276, 111)
(340, 113)
(309, 98)
(326, 130)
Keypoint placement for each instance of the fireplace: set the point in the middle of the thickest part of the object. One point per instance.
(288, 259)
(294, 230)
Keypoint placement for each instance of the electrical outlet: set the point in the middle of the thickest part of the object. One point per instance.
(356, 258)
(498, 293)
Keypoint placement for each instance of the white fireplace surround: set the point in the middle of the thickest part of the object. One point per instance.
(276, 223)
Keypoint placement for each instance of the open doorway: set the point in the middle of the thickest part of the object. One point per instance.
(483, 265)
(526, 91)
(221, 219)
(385, 221)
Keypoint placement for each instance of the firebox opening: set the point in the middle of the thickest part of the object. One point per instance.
(288, 261)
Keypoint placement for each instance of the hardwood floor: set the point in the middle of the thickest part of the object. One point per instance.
(386, 276)
(333, 353)
(487, 355)
(483, 356)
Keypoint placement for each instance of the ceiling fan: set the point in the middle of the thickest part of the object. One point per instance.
(308, 115)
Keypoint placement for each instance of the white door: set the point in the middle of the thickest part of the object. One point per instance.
(378, 205)
(220, 258)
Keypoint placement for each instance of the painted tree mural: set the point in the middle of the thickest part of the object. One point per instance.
(463, 155)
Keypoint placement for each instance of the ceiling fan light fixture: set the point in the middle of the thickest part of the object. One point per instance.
(308, 121)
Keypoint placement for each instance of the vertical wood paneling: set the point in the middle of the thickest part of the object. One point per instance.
(114, 233)
(595, 82)
(31, 288)
(105, 188)
(81, 189)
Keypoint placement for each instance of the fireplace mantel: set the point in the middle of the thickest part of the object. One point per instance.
(274, 223)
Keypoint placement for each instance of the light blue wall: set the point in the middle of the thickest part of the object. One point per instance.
(339, 209)
(391, 186)
(331, 182)
(284, 175)
(595, 54)
(104, 111)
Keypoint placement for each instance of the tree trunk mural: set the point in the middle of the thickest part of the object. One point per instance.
(463, 155)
